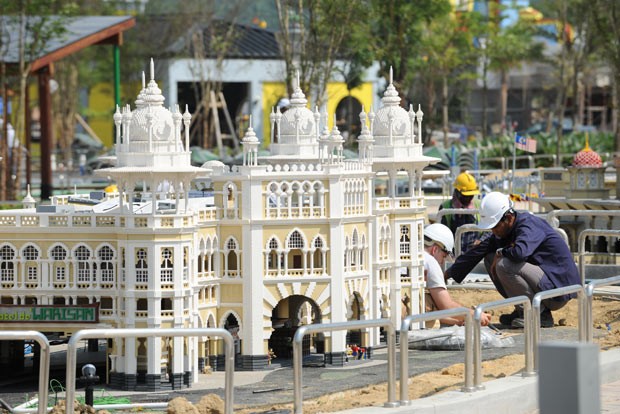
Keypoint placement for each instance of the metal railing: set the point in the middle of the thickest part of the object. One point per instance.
(552, 293)
(527, 332)
(589, 293)
(44, 363)
(342, 326)
(404, 347)
(229, 355)
(553, 217)
(582, 246)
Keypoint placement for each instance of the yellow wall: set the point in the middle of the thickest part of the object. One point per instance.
(101, 107)
(336, 91)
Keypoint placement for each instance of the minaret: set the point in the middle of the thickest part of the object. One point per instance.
(29, 201)
(250, 146)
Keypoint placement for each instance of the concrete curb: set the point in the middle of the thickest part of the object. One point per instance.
(510, 395)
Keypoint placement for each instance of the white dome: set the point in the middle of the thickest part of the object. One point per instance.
(298, 121)
(161, 122)
(391, 110)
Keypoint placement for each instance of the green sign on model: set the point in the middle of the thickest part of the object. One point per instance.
(52, 313)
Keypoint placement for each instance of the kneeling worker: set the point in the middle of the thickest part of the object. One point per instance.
(438, 245)
(525, 256)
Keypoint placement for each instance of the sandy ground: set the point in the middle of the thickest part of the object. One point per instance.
(606, 314)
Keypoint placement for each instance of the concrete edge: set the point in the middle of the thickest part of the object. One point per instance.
(500, 396)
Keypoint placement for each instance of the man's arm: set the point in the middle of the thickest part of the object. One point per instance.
(443, 300)
(465, 263)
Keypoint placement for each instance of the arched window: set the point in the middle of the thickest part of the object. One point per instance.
(142, 267)
(404, 240)
(295, 245)
(59, 255)
(106, 263)
(272, 258)
(7, 266)
(231, 257)
(31, 257)
(82, 256)
(167, 266)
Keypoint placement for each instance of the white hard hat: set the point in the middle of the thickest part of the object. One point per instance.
(441, 234)
(493, 207)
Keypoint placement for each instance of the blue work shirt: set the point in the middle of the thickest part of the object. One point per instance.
(530, 240)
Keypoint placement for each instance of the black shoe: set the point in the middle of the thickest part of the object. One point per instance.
(507, 318)
(546, 320)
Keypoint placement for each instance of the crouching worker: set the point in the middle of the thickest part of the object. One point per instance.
(524, 256)
(438, 245)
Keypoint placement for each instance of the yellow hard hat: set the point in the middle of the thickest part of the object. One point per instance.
(466, 184)
(112, 188)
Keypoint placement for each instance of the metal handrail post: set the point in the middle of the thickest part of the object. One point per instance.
(552, 293)
(229, 353)
(589, 294)
(44, 362)
(341, 326)
(404, 347)
(477, 346)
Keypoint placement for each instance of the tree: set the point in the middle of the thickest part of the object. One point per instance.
(448, 56)
(38, 22)
(505, 48)
(395, 35)
(606, 22)
(312, 36)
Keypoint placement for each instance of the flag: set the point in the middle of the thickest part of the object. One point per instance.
(525, 143)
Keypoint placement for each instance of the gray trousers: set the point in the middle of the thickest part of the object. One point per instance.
(518, 278)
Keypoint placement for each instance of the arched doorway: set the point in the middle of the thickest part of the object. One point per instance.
(288, 315)
(356, 310)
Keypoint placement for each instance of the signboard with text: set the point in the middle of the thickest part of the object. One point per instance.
(50, 313)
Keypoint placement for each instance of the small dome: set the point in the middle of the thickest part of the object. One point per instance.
(393, 113)
(587, 157)
(162, 124)
(298, 115)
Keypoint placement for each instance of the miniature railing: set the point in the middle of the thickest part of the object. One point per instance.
(343, 326)
(44, 362)
(582, 246)
(589, 293)
(229, 354)
(552, 216)
(404, 347)
(527, 332)
(553, 293)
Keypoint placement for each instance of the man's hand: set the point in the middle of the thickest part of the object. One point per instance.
(485, 319)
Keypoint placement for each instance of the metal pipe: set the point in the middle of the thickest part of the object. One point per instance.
(404, 347)
(589, 293)
(341, 326)
(552, 293)
(477, 346)
(151, 333)
(44, 362)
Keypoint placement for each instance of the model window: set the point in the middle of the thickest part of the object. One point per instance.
(142, 268)
(7, 266)
(404, 240)
(82, 255)
(106, 256)
(166, 265)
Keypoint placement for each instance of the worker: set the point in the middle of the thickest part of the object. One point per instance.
(463, 196)
(524, 256)
(439, 245)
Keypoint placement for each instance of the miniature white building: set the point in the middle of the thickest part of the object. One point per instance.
(259, 249)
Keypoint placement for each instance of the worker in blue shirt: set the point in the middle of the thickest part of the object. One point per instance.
(525, 256)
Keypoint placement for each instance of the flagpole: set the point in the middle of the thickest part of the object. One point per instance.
(514, 161)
